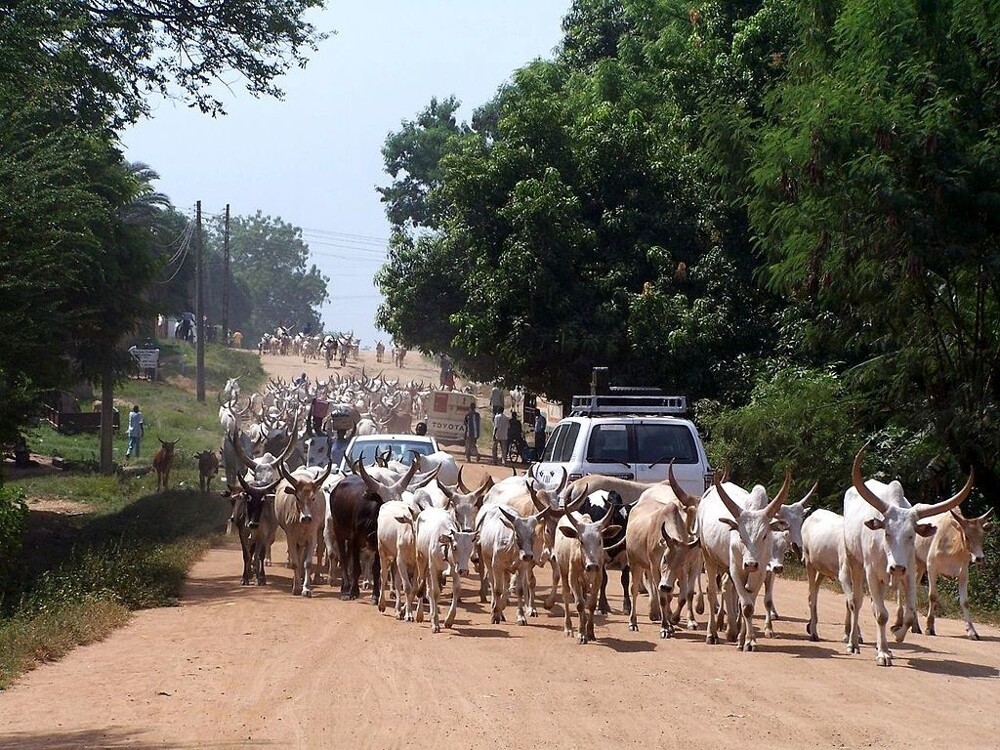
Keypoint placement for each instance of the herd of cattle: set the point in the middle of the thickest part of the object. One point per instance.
(282, 342)
(420, 528)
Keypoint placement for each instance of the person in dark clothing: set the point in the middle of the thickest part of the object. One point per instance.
(539, 435)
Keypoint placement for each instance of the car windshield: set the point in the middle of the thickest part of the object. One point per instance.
(659, 443)
(399, 450)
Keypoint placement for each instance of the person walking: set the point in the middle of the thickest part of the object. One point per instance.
(501, 432)
(496, 400)
(515, 434)
(135, 429)
(472, 430)
(539, 434)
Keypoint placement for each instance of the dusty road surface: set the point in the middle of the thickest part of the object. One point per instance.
(240, 666)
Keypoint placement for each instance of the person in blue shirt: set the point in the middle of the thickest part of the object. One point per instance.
(472, 431)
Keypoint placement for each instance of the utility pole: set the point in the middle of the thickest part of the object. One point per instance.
(225, 280)
(199, 284)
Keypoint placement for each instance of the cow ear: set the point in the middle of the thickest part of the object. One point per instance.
(445, 539)
(568, 531)
(611, 530)
(779, 524)
(404, 519)
(696, 542)
(987, 526)
(926, 529)
(730, 523)
(875, 524)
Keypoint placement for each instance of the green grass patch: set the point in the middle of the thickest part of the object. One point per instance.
(78, 576)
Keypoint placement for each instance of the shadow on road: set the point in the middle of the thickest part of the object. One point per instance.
(108, 738)
(953, 668)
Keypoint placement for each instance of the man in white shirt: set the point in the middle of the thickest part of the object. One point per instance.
(135, 426)
(500, 434)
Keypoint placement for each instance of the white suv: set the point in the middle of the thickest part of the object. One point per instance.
(631, 437)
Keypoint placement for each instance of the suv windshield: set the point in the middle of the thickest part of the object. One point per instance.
(658, 443)
(399, 450)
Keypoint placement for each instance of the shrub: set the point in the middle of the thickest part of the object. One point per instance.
(13, 521)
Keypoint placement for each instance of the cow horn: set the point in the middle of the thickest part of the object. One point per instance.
(683, 496)
(534, 496)
(448, 491)
(283, 470)
(325, 474)
(403, 483)
(461, 484)
(292, 433)
(579, 496)
(805, 500)
(984, 516)
(953, 502)
(565, 477)
(734, 509)
(234, 438)
(859, 483)
(779, 499)
(369, 481)
(425, 480)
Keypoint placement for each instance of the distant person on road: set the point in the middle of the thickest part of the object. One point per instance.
(515, 433)
(135, 429)
(539, 434)
(445, 369)
(471, 426)
(338, 446)
(496, 400)
(501, 433)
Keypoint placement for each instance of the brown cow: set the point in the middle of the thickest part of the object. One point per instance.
(163, 462)
(208, 467)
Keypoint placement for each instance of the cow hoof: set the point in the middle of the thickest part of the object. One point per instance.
(346, 596)
(884, 660)
(495, 620)
(582, 639)
(604, 610)
(853, 649)
(420, 615)
(700, 608)
(633, 627)
(769, 632)
(435, 628)
(973, 635)
(533, 612)
(712, 640)
(244, 582)
(522, 620)
(409, 617)
(381, 606)
(568, 632)
(307, 593)
(813, 636)
(749, 647)
(664, 633)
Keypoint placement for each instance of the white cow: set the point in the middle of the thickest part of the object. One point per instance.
(880, 528)
(735, 527)
(507, 546)
(442, 550)
(299, 503)
(824, 554)
(397, 551)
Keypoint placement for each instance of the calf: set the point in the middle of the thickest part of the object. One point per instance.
(579, 550)
(163, 462)
(441, 550)
(744, 555)
(298, 505)
(254, 519)
(208, 467)
(957, 543)
(507, 546)
(880, 527)
(825, 557)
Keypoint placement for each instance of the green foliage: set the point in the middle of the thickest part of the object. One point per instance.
(797, 418)
(13, 520)
(269, 259)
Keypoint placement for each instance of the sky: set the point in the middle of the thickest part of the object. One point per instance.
(314, 158)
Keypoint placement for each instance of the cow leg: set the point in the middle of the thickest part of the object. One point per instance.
(567, 618)
(293, 553)
(633, 608)
(963, 601)
(626, 589)
(307, 563)
(494, 598)
(732, 605)
(376, 577)
(770, 613)
(345, 567)
(654, 599)
(456, 596)
(850, 582)
(713, 603)
(593, 590)
(481, 573)
(666, 615)
(244, 544)
(433, 592)
(384, 555)
(408, 583)
(522, 581)
(602, 598)
(908, 596)
(883, 657)
(419, 585)
(550, 600)
(813, 577)
(530, 593)
(581, 608)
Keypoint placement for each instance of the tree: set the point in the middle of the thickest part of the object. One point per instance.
(876, 199)
(113, 53)
(269, 259)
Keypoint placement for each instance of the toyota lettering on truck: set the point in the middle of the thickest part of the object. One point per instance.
(446, 415)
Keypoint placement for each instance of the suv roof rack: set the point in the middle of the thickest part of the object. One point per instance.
(616, 403)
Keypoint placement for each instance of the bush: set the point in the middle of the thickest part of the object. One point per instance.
(13, 521)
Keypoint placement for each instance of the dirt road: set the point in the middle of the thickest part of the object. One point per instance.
(244, 666)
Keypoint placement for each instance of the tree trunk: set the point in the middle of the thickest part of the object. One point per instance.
(107, 417)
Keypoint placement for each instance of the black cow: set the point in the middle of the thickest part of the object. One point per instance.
(254, 519)
(354, 516)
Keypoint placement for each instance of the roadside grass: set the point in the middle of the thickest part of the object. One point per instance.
(78, 577)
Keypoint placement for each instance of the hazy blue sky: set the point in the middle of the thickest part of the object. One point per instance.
(315, 158)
